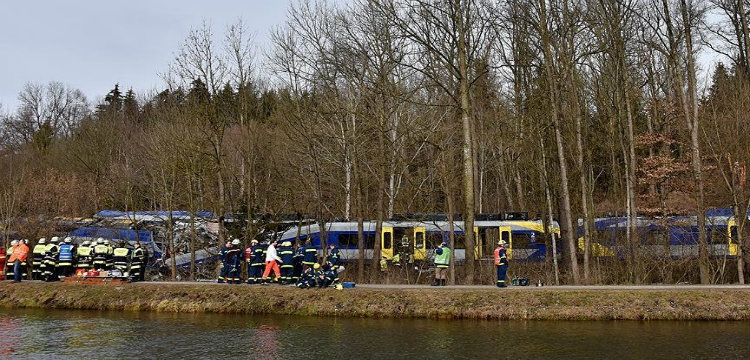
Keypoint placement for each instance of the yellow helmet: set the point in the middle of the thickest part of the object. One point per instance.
(316, 266)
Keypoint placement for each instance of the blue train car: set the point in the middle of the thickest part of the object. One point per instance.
(673, 236)
(416, 240)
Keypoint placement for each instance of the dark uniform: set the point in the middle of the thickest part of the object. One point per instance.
(83, 257)
(50, 261)
(37, 259)
(136, 263)
(311, 254)
(334, 256)
(501, 263)
(234, 260)
(256, 262)
(65, 258)
(121, 259)
(286, 253)
(223, 259)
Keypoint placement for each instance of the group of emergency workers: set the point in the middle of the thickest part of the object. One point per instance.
(54, 259)
(288, 264)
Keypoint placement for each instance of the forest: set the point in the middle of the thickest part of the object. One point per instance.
(565, 109)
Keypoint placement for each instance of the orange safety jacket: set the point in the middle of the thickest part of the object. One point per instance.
(20, 252)
(500, 258)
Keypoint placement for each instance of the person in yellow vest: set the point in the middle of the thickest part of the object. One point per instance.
(442, 261)
(121, 257)
(37, 259)
(101, 252)
(83, 257)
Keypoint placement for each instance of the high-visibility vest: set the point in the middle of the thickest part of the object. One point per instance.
(443, 260)
(500, 257)
(66, 254)
(20, 252)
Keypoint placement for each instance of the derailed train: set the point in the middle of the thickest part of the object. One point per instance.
(528, 240)
(415, 239)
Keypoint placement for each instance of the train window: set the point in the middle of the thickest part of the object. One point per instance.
(387, 241)
(522, 240)
(419, 241)
(351, 241)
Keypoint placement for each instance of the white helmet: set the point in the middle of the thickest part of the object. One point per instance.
(67, 240)
(14, 242)
(42, 241)
(85, 243)
(236, 242)
(100, 240)
(54, 239)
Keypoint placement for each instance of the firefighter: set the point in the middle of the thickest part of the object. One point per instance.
(121, 259)
(144, 263)
(51, 254)
(234, 259)
(334, 255)
(442, 261)
(286, 253)
(37, 259)
(255, 262)
(501, 263)
(3, 261)
(299, 257)
(223, 261)
(65, 258)
(307, 279)
(136, 262)
(101, 253)
(9, 273)
(83, 257)
(311, 254)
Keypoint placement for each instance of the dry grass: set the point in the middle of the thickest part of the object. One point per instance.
(447, 303)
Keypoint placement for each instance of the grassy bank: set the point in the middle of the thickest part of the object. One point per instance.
(438, 303)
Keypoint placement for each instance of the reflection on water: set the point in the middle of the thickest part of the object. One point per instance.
(39, 334)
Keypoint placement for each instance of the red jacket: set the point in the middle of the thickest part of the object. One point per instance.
(20, 252)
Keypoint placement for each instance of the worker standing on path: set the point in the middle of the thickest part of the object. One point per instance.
(255, 262)
(136, 262)
(286, 253)
(121, 258)
(234, 259)
(37, 259)
(3, 261)
(311, 255)
(83, 257)
(50, 260)
(501, 263)
(223, 261)
(442, 261)
(65, 258)
(20, 252)
(272, 260)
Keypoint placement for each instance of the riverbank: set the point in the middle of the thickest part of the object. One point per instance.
(456, 302)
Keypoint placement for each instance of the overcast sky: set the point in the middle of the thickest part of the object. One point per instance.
(93, 44)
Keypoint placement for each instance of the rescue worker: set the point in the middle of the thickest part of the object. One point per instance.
(234, 259)
(65, 258)
(83, 257)
(9, 273)
(136, 262)
(299, 257)
(223, 262)
(50, 260)
(121, 259)
(37, 259)
(308, 278)
(286, 253)
(255, 262)
(3, 261)
(501, 263)
(101, 252)
(442, 261)
(272, 260)
(311, 254)
(110, 255)
(334, 255)
(20, 252)
(144, 265)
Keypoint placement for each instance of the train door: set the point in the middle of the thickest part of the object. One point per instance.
(420, 243)
(731, 237)
(386, 243)
(506, 235)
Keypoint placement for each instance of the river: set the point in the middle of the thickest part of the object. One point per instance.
(48, 334)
